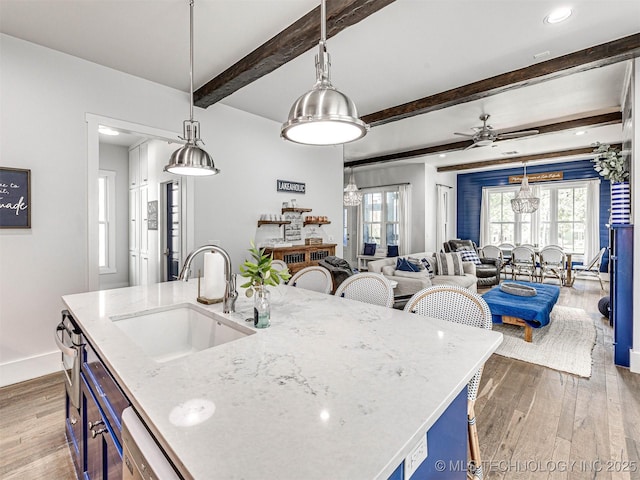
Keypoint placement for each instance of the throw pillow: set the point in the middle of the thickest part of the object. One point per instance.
(416, 262)
(469, 256)
(449, 264)
(369, 249)
(392, 250)
(388, 270)
(404, 265)
(430, 266)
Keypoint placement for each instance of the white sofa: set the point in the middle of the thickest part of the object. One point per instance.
(412, 282)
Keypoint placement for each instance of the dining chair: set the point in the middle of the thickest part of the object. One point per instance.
(592, 268)
(523, 262)
(368, 288)
(280, 265)
(493, 251)
(553, 264)
(456, 304)
(313, 278)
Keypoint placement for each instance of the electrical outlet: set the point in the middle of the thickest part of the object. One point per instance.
(415, 457)
(331, 238)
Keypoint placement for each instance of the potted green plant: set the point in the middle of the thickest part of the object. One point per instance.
(261, 273)
(613, 166)
(610, 164)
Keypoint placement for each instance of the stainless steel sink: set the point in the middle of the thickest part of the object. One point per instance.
(174, 332)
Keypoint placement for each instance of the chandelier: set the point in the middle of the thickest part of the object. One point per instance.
(352, 197)
(525, 202)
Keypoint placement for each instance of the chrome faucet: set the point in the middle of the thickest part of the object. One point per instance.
(230, 292)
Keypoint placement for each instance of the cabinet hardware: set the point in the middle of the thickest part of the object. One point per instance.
(96, 423)
(95, 433)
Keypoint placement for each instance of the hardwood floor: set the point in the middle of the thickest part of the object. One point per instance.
(32, 440)
(538, 423)
(533, 422)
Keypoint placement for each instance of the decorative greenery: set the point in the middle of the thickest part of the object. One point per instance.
(261, 271)
(610, 164)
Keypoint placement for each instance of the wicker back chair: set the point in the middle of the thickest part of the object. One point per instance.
(368, 288)
(313, 278)
(523, 262)
(492, 251)
(553, 264)
(280, 265)
(592, 268)
(459, 305)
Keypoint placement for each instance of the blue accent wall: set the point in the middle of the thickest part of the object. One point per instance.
(470, 194)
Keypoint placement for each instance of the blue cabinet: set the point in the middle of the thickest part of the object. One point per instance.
(446, 446)
(621, 297)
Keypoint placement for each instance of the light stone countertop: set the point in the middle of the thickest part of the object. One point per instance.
(333, 389)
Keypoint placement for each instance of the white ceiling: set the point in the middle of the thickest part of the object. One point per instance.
(408, 50)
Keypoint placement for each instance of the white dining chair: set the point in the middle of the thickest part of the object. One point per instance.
(553, 264)
(495, 252)
(313, 278)
(456, 304)
(280, 265)
(368, 288)
(523, 262)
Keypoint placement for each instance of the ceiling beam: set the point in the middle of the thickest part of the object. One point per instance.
(592, 121)
(293, 41)
(524, 158)
(582, 60)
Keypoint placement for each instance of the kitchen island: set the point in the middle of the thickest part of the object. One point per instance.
(333, 389)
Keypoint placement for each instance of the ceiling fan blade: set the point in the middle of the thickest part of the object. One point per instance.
(525, 133)
(470, 146)
(463, 134)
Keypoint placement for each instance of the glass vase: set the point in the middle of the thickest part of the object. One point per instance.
(261, 307)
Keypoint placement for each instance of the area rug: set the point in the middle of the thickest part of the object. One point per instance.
(565, 344)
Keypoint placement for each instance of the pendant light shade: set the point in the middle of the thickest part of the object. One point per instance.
(190, 159)
(352, 197)
(323, 115)
(525, 202)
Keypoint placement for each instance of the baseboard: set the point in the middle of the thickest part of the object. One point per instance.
(634, 361)
(28, 368)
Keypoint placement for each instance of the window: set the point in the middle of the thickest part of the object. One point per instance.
(106, 221)
(381, 217)
(561, 219)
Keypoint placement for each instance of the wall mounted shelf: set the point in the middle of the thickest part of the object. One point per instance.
(316, 223)
(273, 222)
(296, 210)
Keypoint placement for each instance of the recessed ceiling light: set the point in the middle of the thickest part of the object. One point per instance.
(581, 132)
(442, 155)
(558, 15)
(107, 131)
(512, 152)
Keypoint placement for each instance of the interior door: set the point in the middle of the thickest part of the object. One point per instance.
(173, 229)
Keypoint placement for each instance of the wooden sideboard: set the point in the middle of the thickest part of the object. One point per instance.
(298, 257)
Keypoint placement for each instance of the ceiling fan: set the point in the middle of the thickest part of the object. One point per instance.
(485, 135)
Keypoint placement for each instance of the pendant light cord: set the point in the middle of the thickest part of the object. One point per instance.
(323, 21)
(191, 59)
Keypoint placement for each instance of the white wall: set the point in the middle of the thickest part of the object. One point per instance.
(116, 159)
(45, 96)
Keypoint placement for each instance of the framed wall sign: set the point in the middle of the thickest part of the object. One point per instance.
(291, 187)
(152, 215)
(15, 198)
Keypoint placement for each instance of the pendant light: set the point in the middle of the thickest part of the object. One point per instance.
(190, 159)
(323, 115)
(352, 197)
(525, 202)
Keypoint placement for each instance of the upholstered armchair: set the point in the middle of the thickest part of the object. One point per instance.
(487, 271)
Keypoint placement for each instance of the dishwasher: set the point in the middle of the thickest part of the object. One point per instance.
(141, 455)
